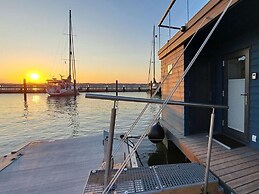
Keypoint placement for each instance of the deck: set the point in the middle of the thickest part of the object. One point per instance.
(60, 166)
(237, 168)
(63, 166)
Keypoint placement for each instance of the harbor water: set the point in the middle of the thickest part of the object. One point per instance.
(50, 118)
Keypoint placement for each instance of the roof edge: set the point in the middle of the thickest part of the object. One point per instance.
(210, 11)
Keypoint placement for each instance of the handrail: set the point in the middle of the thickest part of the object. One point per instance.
(158, 101)
(167, 11)
(152, 100)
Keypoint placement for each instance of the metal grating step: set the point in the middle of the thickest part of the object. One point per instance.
(182, 174)
(152, 179)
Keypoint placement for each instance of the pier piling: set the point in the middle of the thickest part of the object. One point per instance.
(116, 87)
(24, 90)
(75, 90)
(151, 88)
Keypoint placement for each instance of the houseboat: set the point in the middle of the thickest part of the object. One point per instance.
(226, 73)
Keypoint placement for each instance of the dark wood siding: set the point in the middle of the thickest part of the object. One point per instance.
(230, 37)
(248, 40)
(254, 90)
(198, 90)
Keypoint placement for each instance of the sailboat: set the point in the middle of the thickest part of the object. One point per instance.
(153, 84)
(65, 87)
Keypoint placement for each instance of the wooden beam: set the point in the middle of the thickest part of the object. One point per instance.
(209, 12)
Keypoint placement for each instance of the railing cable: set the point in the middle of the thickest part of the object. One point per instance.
(158, 88)
(115, 177)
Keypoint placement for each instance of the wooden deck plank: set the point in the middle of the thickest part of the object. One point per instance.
(195, 144)
(240, 173)
(203, 146)
(223, 166)
(214, 153)
(251, 188)
(205, 149)
(203, 153)
(245, 180)
(256, 189)
(217, 159)
(219, 152)
(195, 139)
(229, 159)
(238, 168)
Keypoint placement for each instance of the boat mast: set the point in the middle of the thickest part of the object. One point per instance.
(154, 56)
(70, 45)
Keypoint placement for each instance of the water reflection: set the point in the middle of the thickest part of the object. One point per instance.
(43, 117)
(159, 156)
(36, 98)
(25, 110)
(65, 107)
(156, 154)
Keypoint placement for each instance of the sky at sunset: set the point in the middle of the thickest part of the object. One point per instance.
(113, 38)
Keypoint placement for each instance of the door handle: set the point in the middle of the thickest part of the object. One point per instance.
(245, 97)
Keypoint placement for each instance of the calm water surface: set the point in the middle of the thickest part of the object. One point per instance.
(51, 118)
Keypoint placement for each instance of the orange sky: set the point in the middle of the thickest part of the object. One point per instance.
(113, 38)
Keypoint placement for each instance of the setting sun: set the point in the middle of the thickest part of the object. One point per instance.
(34, 76)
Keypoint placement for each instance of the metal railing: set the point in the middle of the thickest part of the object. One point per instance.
(152, 101)
(164, 104)
(170, 102)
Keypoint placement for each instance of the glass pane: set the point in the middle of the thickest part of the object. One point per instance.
(236, 68)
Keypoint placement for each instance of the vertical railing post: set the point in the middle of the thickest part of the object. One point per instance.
(109, 150)
(206, 178)
(108, 158)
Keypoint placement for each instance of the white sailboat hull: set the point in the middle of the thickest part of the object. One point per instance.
(59, 88)
(61, 93)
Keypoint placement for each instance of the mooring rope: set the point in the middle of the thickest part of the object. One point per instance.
(115, 177)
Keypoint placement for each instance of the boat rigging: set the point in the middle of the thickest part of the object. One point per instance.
(65, 87)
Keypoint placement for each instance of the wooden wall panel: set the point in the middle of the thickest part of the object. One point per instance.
(173, 115)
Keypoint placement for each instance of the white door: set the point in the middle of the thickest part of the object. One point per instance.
(237, 78)
(236, 111)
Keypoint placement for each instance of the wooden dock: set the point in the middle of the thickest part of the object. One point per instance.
(111, 87)
(237, 168)
(19, 88)
(82, 87)
(60, 166)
